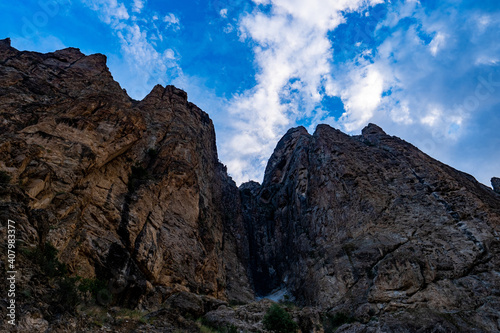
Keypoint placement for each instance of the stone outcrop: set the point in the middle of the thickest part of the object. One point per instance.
(370, 226)
(366, 233)
(127, 191)
(495, 182)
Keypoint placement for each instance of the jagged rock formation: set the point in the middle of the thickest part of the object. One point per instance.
(127, 191)
(369, 225)
(132, 193)
(495, 182)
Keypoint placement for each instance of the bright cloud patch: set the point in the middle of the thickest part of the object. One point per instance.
(171, 20)
(138, 5)
(414, 71)
(110, 11)
(138, 41)
(362, 96)
(293, 55)
(427, 71)
(437, 43)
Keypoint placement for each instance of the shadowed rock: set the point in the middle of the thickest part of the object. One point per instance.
(495, 182)
(371, 226)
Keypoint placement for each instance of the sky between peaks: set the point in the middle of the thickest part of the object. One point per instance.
(426, 71)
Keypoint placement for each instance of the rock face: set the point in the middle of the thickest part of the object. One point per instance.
(366, 231)
(370, 226)
(130, 192)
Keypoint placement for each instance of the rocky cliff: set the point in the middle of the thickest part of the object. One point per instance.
(127, 191)
(127, 201)
(370, 226)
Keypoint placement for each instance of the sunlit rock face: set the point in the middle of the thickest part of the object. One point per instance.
(372, 226)
(132, 191)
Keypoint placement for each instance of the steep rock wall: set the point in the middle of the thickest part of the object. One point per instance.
(128, 191)
(369, 225)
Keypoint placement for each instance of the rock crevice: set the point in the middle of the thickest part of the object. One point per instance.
(370, 223)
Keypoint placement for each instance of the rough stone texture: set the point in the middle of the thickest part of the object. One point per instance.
(495, 182)
(130, 192)
(248, 318)
(370, 226)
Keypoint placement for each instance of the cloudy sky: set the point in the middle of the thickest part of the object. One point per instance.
(426, 71)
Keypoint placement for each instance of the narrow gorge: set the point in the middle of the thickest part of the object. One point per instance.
(129, 198)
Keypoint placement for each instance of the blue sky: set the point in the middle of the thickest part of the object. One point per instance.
(426, 71)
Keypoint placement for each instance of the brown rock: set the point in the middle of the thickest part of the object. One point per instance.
(132, 193)
(186, 303)
(369, 221)
(135, 192)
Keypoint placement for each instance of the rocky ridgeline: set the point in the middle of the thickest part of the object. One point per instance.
(363, 233)
(371, 226)
(126, 191)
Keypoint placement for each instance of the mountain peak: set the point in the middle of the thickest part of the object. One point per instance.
(5, 42)
(495, 182)
(372, 129)
(132, 194)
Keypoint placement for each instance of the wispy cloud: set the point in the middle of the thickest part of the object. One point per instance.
(138, 5)
(171, 20)
(110, 11)
(146, 63)
(293, 55)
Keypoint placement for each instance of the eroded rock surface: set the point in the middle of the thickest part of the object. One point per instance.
(371, 226)
(127, 191)
(367, 232)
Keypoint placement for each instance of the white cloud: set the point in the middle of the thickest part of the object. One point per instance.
(138, 5)
(171, 20)
(223, 12)
(110, 11)
(136, 45)
(405, 9)
(146, 64)
(433, 117)
(401, 114)
(293, 56)
(437, 43)
(362, 95)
